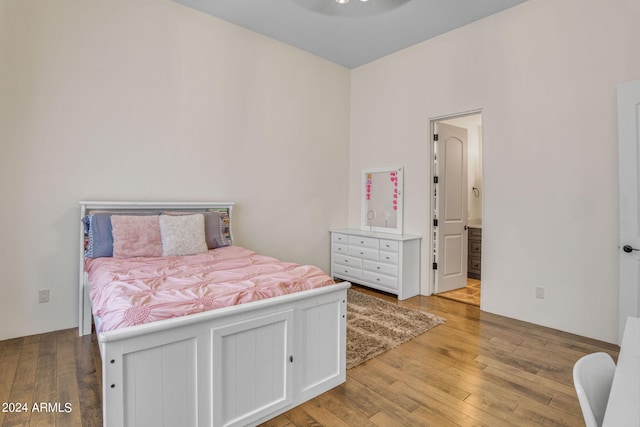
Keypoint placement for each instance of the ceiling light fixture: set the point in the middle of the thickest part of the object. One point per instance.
(347, 1)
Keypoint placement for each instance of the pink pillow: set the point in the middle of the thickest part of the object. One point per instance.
(135, 236)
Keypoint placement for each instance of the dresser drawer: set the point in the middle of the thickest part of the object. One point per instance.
(365, 242)
(380, 267)
(388, 257)
(475, 248)
(339, 238)
(380, 279)
(389, 245)
(339, 248)
(343, 270)
(475, 233)
(361, 252)
(347, 261)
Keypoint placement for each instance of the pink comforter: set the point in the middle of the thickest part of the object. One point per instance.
(133, 291)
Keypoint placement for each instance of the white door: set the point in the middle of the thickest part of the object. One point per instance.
(451, 207)
(629, 168)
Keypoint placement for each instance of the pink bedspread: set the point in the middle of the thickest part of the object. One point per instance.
(133, 291)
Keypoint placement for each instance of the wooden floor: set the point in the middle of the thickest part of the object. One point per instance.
(475, 369)
(59, 370)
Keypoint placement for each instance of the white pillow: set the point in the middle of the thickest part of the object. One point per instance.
(182, 235)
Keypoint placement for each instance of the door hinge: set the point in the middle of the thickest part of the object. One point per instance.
(435, 136)
(435, 179)
(435, 222)
(435, 266)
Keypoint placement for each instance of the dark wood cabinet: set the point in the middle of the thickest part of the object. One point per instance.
(474, 259)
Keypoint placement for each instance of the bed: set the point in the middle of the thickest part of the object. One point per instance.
(233, 365)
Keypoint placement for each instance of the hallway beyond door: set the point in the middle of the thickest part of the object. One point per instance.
(469, 294)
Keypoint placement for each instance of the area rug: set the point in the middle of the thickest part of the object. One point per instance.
(375, 326)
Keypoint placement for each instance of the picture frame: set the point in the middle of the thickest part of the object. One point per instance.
(382, 200)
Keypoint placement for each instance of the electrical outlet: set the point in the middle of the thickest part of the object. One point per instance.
(43, 295)
(539, 292)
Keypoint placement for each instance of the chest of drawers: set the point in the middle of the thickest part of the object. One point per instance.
(474, 253)
(386, 262)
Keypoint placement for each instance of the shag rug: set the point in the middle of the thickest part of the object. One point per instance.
(375, 326)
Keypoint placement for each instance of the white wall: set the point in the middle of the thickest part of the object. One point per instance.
(544, 74)
(151, 100)
(474, 162)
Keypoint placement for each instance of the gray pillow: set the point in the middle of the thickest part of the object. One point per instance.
(99, 235)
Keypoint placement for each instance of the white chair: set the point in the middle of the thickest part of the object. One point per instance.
(592, 377)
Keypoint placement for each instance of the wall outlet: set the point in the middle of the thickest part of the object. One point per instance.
(43, 295)
(539, 292)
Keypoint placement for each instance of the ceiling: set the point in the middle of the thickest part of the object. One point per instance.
(354, 33)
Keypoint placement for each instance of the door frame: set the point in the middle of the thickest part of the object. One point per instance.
(628, 98)
(432, 241)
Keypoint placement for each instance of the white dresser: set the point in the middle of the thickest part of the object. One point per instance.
(388, 262)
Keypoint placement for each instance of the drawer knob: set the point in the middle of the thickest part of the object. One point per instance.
(378, 267)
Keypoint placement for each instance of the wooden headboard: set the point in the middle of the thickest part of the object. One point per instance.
(124, 207)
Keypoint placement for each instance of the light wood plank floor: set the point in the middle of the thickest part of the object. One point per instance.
(475, 369)
(57, 368)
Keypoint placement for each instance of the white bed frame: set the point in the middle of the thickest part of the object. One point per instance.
(234, 366)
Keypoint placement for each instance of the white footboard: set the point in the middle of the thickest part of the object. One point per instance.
(234, 366)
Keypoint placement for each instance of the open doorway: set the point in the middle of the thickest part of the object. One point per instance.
(457, 207)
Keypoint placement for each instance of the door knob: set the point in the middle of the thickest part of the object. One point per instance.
(628, 248)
